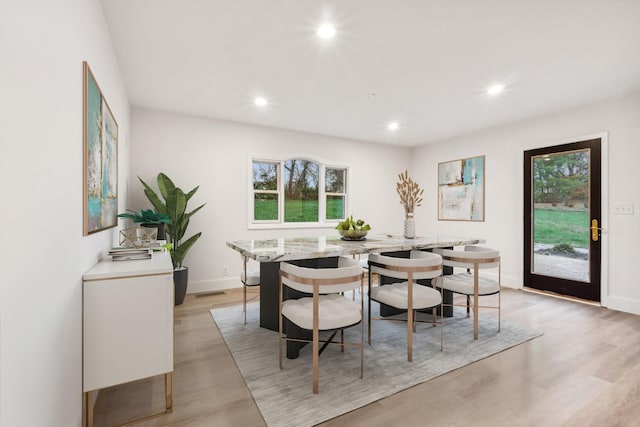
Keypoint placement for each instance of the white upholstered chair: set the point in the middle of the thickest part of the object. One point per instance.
(248, 278)
(326, 308)
(420, 265)
(471, 283)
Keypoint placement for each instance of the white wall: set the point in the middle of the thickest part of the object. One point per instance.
(44, 253)
(214, 154)
(216, 157)
(504, 148)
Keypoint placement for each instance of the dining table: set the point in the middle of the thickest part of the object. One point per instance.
(323, 252)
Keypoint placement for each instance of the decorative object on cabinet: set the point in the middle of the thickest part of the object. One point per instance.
(174, 203)
(138, 237)
(148, 218)
(100, 154)
(461, 190)
(410, 197)
(129, 254)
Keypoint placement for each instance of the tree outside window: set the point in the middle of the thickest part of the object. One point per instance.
(301, 191)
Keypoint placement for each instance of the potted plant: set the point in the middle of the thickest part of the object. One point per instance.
(174, 204)
(148, 218)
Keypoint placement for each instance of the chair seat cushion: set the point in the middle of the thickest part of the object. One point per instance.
(253, 277)
(395, 295)
(462, 283)
(335, 311)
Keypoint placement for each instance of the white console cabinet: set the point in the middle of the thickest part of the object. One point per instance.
(127, 325)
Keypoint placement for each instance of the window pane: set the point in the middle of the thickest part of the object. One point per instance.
(300, 191)
(265, 207)
(265, 176)
(334, 180)
(560, 186)
(335, 207)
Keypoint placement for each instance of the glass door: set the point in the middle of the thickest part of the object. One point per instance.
(562, 219)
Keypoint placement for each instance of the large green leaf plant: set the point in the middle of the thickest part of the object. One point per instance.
(174, 204)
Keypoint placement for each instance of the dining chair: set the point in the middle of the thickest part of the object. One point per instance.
(248, 278)
(470, 282)
(325, 309)
(364, 263)
(407, 294)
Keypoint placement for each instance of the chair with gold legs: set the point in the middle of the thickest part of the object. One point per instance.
(470, 283)
(420, 265)
(326, 309)
(248, 278)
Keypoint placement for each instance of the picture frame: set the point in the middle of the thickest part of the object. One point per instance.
(100, 154)
(461, 189)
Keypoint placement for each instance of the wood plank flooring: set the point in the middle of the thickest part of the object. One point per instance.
(584, 371)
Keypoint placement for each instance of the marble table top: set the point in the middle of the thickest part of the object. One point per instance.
(291, 248)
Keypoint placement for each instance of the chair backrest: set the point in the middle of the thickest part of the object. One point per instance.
(422, 265)
(483, 257)
(347, 276)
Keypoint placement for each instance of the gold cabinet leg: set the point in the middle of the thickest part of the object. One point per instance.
(88, 404)
(168, 388)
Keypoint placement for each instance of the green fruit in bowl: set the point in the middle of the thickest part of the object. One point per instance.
(353, 229)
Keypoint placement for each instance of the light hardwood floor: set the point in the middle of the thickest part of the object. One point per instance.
(584, 371)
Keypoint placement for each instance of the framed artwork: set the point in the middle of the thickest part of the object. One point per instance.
(461, 190)
(100, 146)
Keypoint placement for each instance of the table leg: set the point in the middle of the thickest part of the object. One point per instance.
(269, 305)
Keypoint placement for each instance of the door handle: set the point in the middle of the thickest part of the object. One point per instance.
(595, 230)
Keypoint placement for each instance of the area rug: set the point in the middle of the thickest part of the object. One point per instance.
(284, 397)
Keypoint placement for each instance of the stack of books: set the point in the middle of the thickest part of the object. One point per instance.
(129, 254)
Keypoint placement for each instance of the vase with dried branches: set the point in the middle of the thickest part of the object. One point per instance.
(410, 197)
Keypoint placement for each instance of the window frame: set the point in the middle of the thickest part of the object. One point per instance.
(279, 223)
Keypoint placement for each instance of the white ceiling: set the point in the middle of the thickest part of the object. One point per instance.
(427, 62)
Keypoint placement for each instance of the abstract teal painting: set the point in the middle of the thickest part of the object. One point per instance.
(461, 190)
(100, 131)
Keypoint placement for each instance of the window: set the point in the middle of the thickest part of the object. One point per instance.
(292, 192)
(335, 193)
(265, 191)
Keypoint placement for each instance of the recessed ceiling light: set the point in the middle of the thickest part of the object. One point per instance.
(495, 89)
(393, 126)
(260, 101)
(326, 31)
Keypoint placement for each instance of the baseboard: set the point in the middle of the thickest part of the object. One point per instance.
(511, 282)
(506, 281)
(628, 305)
(213, 285)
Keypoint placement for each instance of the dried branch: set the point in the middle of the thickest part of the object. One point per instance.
(409, 191)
